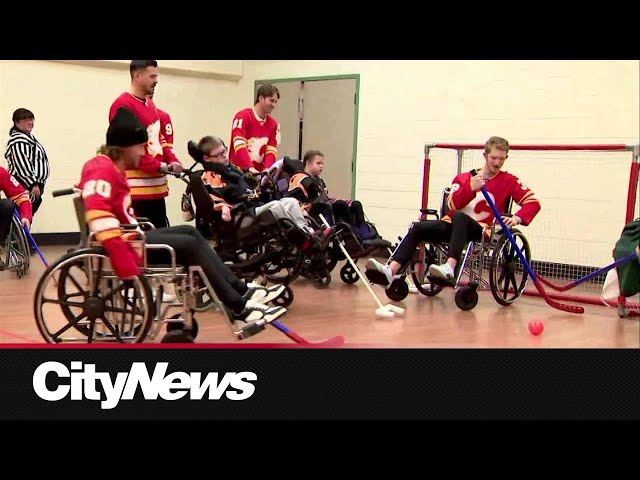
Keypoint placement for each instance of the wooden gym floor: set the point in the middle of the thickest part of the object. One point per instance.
(349, 310)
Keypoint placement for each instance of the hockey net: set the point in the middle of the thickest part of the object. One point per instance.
(588, 194)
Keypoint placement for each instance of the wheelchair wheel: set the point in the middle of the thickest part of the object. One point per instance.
(398, 290)
(284, 300)
(507, 276)
(348, 274)
(177, 333)
(419, 268)
(91, 301)
(467, 297)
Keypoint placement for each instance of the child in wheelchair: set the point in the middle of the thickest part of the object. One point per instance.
(467, 217)
(17, 196)
(106, 196)
(232, 190)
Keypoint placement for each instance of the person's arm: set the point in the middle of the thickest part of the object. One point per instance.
(239, 134)
(271, 151)
(96, 191)
(17, 194)
(148, 163)
(461, 192)
(524, 196)
(166, 140)
(20, 157)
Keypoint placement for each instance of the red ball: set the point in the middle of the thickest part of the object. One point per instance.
(536, 327)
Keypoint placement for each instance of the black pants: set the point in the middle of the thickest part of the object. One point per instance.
(192, 249)
(461, 230)
(351, 214)
(155, 210)
(6, 215)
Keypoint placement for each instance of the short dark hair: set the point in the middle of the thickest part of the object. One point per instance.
(22, 114)
(267, 90)
(311, 154)
(137, 65)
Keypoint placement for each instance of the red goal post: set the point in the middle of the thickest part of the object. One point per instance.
(588, 193)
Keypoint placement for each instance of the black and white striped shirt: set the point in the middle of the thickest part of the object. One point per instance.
(27, 159)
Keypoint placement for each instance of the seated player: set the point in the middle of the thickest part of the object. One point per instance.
(228, 186)
(107, 202)
(308, 187)
(16, 196)
(468, 214)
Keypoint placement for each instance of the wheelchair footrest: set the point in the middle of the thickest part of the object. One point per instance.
(439, 281)
(250, 331)
(376, 277)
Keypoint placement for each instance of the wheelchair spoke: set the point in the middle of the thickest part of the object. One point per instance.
(68, 326)
(96, 283)
(65, 303)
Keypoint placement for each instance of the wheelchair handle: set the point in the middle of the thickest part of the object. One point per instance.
(66, 191)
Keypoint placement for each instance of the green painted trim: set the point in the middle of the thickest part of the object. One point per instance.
(348, 76)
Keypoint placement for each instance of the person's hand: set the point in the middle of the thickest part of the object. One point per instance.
(253, 171)
(36, 191)
(26, 223)
(175, 167)
(477, 182)
(512, 221)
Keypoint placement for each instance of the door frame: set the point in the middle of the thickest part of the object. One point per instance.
(349, 76)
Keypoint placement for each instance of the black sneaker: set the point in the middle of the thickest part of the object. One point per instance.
(258, 293)
(254, 318)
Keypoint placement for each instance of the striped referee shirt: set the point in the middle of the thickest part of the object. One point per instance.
(27, 159)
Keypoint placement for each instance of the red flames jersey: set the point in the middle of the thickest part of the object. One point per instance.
(16, 193)
(166, 127)
(254, 141)
(107, 203)
(147, 182)
(500, 188)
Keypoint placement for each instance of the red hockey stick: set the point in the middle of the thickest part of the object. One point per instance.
(536, 281)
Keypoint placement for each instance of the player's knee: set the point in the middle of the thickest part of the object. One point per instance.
(6, 207)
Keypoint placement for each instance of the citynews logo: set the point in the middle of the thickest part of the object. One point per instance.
(83, 381)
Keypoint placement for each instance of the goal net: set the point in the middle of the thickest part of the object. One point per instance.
(588, 194)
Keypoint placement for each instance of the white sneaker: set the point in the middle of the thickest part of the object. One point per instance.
(261, 294)
(444, 272)
(373, 264)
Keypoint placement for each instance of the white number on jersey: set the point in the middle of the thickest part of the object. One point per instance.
(168, 129)
(14, 181)
(237, 123)
(101, 187)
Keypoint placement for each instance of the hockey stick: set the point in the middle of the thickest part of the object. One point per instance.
(617, 263)
(388, 310)
(331, 343)
(536, 281)
(33, 242)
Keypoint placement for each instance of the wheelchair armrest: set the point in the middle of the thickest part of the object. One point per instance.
(142, 219)
(429, 211)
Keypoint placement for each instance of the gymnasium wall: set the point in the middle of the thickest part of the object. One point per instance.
(71, 104)
(404, 104)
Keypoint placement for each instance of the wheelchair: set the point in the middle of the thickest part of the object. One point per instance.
(16, 249)
(493, 253)
(318, 267)
(253, 246)
(95, 305)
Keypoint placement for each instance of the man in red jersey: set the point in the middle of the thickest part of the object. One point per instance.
(468, 213)
(107, 201)
(148, 182)
(254, 133)
(17, 196)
